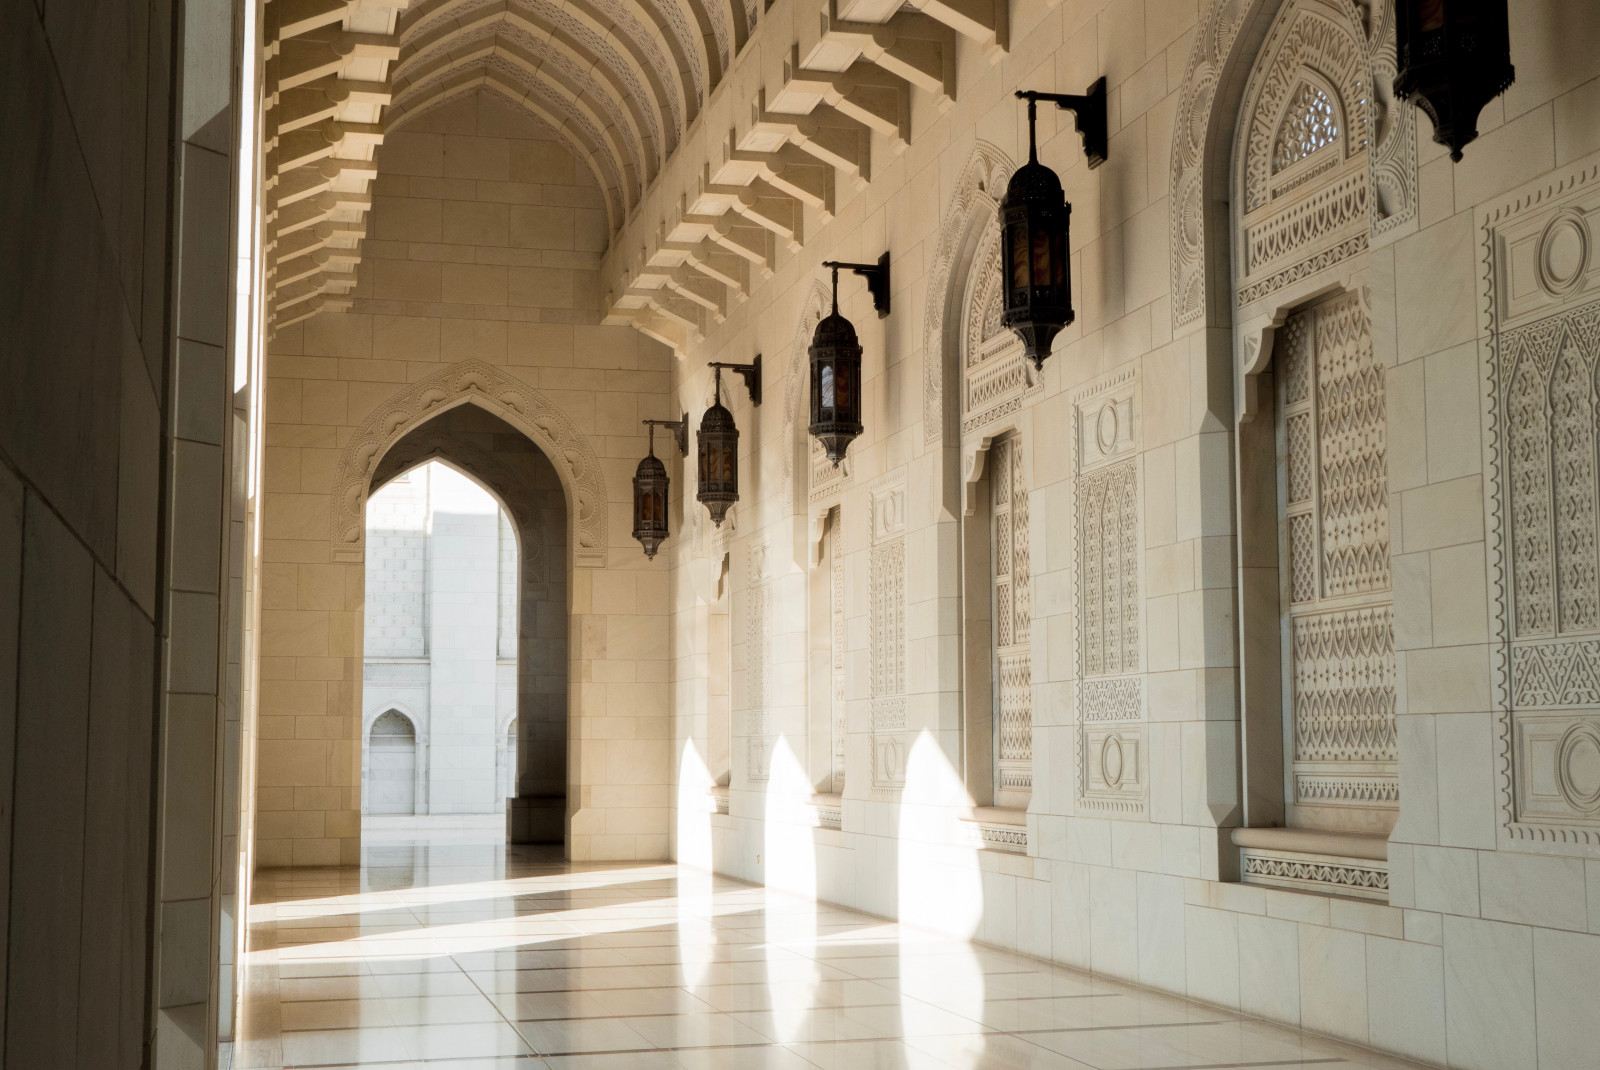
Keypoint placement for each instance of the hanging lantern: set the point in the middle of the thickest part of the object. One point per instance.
(650, 502)
(836, 364)
(1034, 215)
(650, 486)
(718, 443)
(1455, 57)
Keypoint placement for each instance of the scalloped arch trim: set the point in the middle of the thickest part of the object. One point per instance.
(521, 406)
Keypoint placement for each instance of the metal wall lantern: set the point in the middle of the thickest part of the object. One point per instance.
(1455, 57)
(836, 363)
(718, 446)
(650, 486)
(1034, 217)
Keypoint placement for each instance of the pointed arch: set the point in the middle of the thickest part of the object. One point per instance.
(521, 406)
(973, 205)
(1213, 112)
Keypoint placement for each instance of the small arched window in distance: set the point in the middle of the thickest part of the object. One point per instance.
(391, 786)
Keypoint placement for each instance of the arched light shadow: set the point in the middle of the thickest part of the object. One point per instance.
(695, 861)
(790, 892)
(940, 904)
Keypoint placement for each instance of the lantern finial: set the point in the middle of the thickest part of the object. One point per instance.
(1033, 135)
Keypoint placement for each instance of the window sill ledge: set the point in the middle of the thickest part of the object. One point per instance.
(1309, 860)
(997, 828)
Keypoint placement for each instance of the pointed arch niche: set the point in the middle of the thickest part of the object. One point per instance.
(1321, 171)
(511, 400)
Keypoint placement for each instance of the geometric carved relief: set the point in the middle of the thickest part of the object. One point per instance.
(1302, 201)
(1542, 310)
(757, 664)
(886, 611)
(1325, 157)
(967, 222)
(1334, 507)
(510, 399)
(1322, 874)
(994, 374)
(1012, 614)
(1110, 741)
(837, 667)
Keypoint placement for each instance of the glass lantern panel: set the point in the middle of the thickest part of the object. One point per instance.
(1430, 15)
(1042, 272)
(827, 392)
(1017, 241)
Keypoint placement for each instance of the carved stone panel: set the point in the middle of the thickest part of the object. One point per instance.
(886, 613)
(995, 376)
(1339, 663)
(1012, 616)
(1111, 734)
(1543, 314)
(757, 669)
(836, 631)
(1325, 158)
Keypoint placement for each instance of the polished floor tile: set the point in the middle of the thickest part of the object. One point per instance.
(476, 957)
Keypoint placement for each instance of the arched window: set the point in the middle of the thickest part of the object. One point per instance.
(1318, 660)
(392, 765)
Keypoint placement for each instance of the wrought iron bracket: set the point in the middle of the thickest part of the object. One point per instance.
(1088, 114)
(679, 429)
(750, 373)
(877, 276)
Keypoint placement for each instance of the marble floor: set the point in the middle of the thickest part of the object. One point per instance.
(476, 957)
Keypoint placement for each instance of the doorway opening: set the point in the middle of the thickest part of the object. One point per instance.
(465, 634)
(439, 667)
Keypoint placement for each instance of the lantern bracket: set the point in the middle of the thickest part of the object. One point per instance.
(750, 373)
(679, 429)
(877, 276)
(1088, 113)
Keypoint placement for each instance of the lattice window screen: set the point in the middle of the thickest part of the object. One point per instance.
(837, 643)
(1012, 615)
(1339, 659)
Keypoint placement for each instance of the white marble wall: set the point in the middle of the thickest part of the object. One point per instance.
(428, 651)
(477, 284)
(1489, 933)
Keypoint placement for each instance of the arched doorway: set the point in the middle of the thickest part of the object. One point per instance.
(466, 606)
(391, 780)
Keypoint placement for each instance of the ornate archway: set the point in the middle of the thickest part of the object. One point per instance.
(1210, 105)
(512, 400)
(972, 207)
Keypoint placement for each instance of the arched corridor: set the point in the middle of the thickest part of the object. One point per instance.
(461, 958)
(590, 534)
